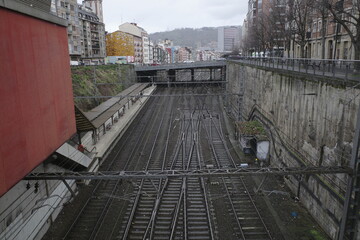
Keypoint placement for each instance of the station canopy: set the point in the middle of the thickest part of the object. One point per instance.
(88, 121)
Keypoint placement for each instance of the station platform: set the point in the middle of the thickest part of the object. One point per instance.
(105, 140)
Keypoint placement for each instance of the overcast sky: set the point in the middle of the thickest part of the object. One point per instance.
(162, 15)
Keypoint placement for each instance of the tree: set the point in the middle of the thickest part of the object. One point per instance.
(266, 30)
(119, 44)
(322, 12)
(273, 20)
(347, 14)
(300, 10)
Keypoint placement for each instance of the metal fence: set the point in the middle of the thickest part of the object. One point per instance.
(344, 69)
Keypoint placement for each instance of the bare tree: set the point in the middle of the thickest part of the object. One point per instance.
(347, 14)
(323, 13)
(275, 26)
(266, 33)
(301, 11)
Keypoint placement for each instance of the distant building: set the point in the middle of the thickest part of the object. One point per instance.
(160, 55)
(151, 52)
(92, 37)
(86, 31)
(325, 37)
(141, 41)
(120, 44)
(170, 52)
(207, 55)
(68, 9)
(228, 38)
(96, 6)
(244, 36)
(146, 48)
(183, 54)
(164, 52)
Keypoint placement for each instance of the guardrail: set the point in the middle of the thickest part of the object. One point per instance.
(344, 69)
(199, 64)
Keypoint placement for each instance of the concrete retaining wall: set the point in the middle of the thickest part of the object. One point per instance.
(309, 121)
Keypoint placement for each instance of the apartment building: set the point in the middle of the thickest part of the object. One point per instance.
(160, 54)
(92, 36)
(146, 48)
(86, 31)
(228, 38)
(279, 24)
(264, 26)
(326, 38)
(206, 55)
(96, 7)
(183, 54)
(68, 9)
(141, 42)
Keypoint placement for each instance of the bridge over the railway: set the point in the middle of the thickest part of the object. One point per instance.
(183, 73)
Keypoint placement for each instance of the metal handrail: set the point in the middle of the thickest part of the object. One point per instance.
(335, 68)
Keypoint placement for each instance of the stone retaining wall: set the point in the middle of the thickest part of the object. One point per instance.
(310, 121)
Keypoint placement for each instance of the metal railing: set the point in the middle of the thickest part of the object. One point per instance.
(199, 64)
(343, 69)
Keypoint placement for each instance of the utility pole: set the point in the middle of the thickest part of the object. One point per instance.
(350, 220)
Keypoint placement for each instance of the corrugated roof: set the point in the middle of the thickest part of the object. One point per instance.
(100, 114)
(83, 124)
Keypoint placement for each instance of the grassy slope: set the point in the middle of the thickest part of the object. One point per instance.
(102, 80)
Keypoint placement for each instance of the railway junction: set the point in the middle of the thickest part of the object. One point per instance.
(175, 174)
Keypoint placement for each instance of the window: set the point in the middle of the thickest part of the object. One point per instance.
(346, 50)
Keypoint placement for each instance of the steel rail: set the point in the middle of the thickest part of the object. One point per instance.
(162, 168)
(98, 184)
(159, 192)
(136, 202)
(227, 152)
(100, 220)
(183, 189)
(244, 185)
(161, 188)
(190, 163)
(185, 166)
(129, 158)
(216, 158)
(256, 209)
(212, 235)
(177, 210)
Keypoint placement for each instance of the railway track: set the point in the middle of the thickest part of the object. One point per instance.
(174, 133)
(241, 206)
(172, 208)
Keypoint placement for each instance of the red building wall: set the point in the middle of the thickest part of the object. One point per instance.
(36, 98)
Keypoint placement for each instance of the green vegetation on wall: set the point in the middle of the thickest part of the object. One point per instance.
(101, 80)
